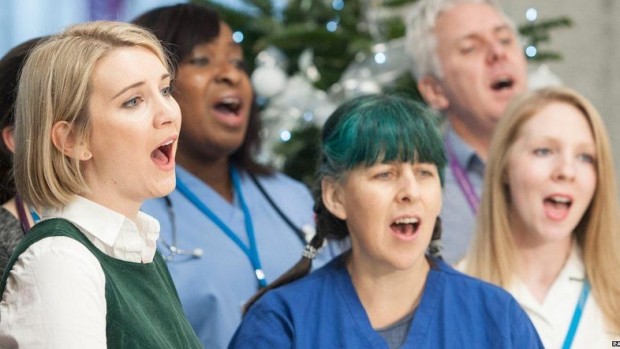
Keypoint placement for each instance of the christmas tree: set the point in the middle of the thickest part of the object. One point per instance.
(339, 47)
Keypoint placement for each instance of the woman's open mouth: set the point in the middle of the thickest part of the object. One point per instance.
(557, 206)
(405, 228)
(162, 155)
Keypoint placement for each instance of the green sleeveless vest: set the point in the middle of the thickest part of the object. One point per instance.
(143, 307)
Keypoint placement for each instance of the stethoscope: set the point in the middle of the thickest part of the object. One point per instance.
(172, 247)
(304, 233)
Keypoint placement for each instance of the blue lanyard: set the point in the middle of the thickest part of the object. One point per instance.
(462, 178)
(250, 251)
(574, 323)
(35, 216)
(21, 212)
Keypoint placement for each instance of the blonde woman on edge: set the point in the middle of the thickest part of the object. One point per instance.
(547, 230)
(96, 133)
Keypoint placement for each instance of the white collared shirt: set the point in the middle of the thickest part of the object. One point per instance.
(55, 293)
(552, 317)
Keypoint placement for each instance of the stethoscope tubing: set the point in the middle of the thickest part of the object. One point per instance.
(198, 252)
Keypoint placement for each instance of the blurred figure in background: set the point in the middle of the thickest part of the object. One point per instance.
(468, 63)
(16, 218)
(547, 229)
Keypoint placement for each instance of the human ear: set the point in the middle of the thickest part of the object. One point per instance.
(7, 137)
(331, 193)
(433, 93)
(63, 139)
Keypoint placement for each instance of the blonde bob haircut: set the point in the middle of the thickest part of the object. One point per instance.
(55, 86)
(492, 255)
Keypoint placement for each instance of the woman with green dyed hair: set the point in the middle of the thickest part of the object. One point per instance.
(379, 184)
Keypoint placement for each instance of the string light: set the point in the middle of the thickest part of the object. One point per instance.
(285, 135)
(531, 14)
(338, 5)
(308, 116)
(237, 37)
(331, 26)
(380, 57)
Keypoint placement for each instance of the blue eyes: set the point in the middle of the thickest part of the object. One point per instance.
(587, 158)
(542, 151)
(135, 101)
(132, 103)
(167, 91)
(584, 157)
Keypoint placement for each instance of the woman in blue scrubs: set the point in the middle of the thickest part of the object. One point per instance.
(380, 184)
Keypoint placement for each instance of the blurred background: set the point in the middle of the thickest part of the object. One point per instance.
(308, 56)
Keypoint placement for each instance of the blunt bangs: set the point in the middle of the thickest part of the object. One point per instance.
(383, 128)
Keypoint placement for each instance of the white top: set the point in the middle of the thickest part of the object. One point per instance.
(55, 293)
(553, 316)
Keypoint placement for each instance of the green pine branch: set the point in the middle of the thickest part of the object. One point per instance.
(302, 25)
(539, 32)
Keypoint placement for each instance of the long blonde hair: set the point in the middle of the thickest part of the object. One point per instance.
(492, 254)
(56, 85)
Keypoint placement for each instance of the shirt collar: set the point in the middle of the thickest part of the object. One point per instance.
(104, 223)
(572, 271)
(465, 155)
(574, 268)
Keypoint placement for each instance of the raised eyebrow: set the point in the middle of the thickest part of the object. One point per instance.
(139, 83)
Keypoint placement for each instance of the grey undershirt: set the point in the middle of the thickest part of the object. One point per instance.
(396, 333)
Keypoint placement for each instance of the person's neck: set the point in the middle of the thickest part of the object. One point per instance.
(11, 206)
(538, 266)
(388, 297)
(476, 139)
(213, 172)
(118, 203)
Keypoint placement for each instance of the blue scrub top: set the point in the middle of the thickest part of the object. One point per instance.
(322, 310)
(214, 287)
